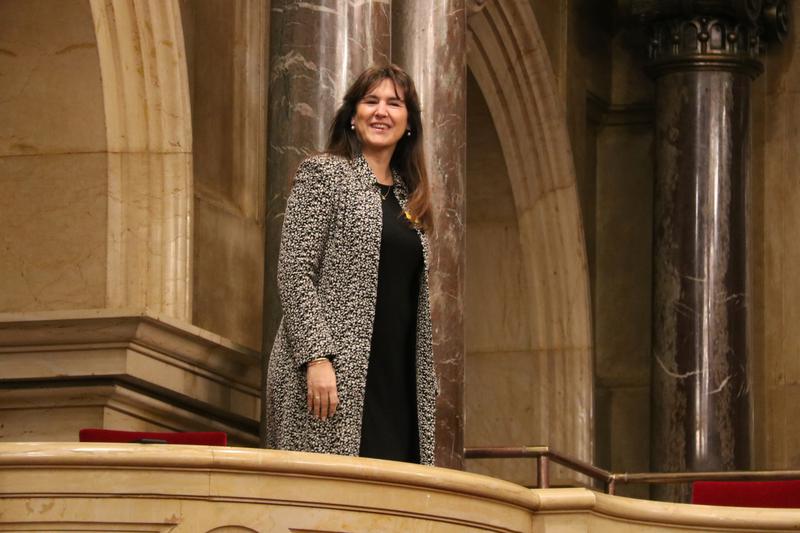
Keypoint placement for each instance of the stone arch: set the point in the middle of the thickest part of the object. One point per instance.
(508, 57)
(148, 130)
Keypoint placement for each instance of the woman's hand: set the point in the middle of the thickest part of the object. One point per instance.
(322, 397)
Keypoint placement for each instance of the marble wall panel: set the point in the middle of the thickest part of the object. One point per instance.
(549, 278)
(50, 71)
(499, 398)
(775, 236)
(52, 187)
(96, 189)
(607, 98)
(630, 84)
(523, 398)
(497, 316)
(756, 267)
(53, 242)
(489, 194)
(226, 48)
(148, 241)
(589, 28)
(587, 72)
(148, 131)
(763, 421)
(510, 59)
(623, 433)
(228, 272)
(623, 262)
(502, 390)
(780, 441)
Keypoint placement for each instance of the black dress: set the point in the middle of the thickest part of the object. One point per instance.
(389, 429)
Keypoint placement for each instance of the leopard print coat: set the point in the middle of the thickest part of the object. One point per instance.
(328, 282)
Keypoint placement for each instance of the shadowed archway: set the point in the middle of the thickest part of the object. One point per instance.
(508, 58)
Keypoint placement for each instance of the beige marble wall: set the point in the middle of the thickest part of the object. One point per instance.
(96, 187)
(622, 297)
(622, 228)
(226, 44)
(538, 322)
(775, 256)
(148, 132)
(606, 97)
(588, 72)
(53, 166)
(94, 144)
(501, 371)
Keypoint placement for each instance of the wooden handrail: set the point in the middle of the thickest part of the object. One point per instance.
(543, 454)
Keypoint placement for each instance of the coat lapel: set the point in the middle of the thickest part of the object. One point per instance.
(366, 178)
(362, 171)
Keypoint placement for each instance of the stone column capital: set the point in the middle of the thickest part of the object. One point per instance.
(703, 42)
(707, 34)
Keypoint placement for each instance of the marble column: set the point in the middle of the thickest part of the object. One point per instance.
(429, 42)
(316, 51)
(703, 66)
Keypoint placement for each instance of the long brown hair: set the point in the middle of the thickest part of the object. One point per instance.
(409, 155)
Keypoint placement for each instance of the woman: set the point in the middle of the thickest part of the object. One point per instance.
(351, 370)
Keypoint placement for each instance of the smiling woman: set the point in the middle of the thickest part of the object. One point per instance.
(380, 120)
(351, 370)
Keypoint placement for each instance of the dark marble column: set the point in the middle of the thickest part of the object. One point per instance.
(429, 41)
(703, 66)
(703, 56)
(316, 51)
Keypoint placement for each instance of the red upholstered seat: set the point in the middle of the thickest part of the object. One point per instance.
(784, 493)
(204, 438)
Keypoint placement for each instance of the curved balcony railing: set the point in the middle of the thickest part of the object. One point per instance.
(170, 488)
(544, 455)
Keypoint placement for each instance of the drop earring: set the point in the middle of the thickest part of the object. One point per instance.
(352, 126)
(408, 133)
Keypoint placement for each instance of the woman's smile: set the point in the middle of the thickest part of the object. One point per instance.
(381, 117)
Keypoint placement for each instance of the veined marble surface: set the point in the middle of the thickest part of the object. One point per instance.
(139, 487)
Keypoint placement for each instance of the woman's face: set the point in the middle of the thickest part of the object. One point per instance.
(381, 117)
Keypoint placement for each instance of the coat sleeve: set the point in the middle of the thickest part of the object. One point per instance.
(309, 214)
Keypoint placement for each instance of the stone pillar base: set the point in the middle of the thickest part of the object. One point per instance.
(63, 371)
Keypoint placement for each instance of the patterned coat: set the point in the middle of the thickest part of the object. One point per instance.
(328, 281)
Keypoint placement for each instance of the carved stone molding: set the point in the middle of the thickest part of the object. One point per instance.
(147, 371)
(707, 34)
(149, 138)
(704, 42)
